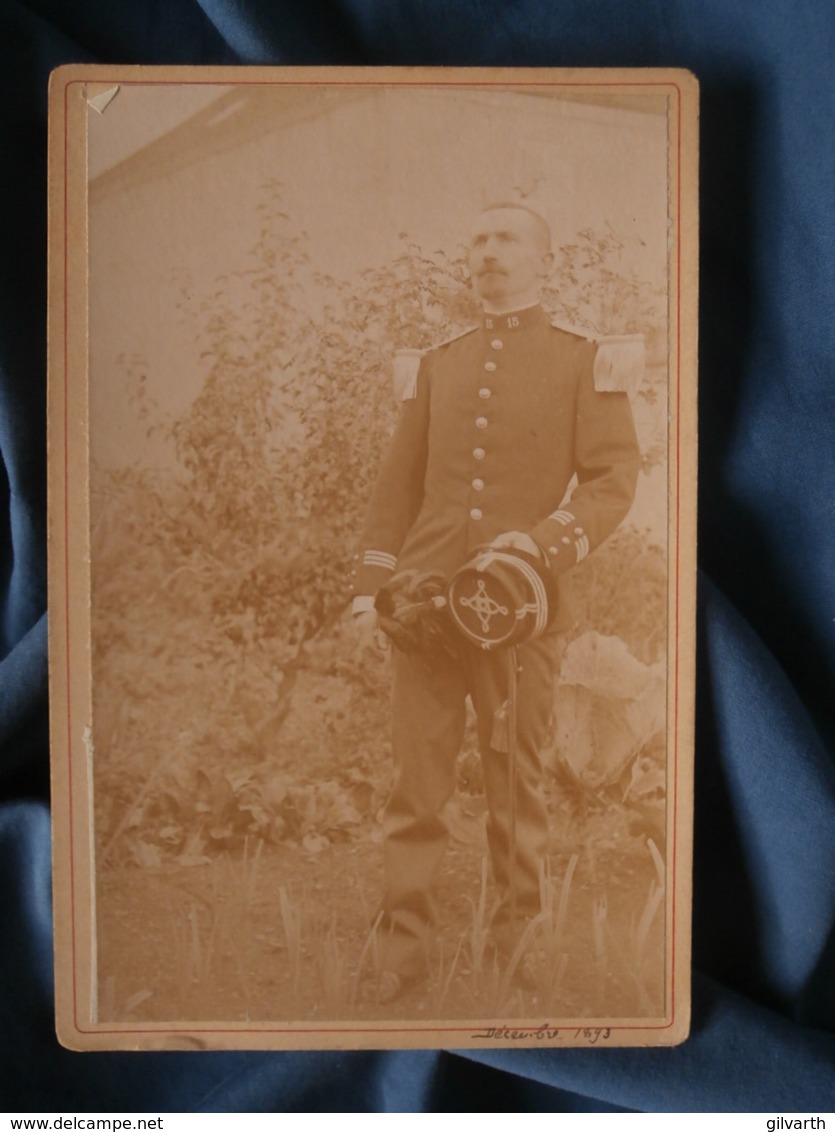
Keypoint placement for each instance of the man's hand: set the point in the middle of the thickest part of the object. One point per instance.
(367, 632)
(518, 540)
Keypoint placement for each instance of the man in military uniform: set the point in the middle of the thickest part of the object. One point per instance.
(498, 423)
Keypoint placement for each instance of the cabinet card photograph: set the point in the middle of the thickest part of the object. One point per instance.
(372, 556)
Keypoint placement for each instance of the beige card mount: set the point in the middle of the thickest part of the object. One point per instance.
(254, 275)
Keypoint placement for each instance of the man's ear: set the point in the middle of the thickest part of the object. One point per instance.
(546, 265)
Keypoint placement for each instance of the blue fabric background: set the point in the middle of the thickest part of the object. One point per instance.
(764, 952)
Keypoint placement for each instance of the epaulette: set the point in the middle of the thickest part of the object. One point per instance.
(407, 364)
(619, 361)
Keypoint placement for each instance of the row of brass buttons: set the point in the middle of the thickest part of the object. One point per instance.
(481, 422)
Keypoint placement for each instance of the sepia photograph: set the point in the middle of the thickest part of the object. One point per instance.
(372, 537)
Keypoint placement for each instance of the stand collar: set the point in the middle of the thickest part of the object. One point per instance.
(510, 321)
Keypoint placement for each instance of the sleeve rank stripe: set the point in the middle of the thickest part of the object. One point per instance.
(379, 558)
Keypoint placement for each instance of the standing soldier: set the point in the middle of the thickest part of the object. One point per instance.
(499, 422)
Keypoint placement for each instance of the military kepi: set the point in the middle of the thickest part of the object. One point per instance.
(502, 598)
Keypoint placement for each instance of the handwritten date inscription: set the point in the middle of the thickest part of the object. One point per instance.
(593, 1034)
(589, 1035)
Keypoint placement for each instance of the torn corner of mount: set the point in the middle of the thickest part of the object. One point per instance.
(100, 102)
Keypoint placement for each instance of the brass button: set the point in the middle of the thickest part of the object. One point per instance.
(478, 485)
(481, 422)
(578, 530)
(497, 343)
(566, 539)
(490, 367)
(484, 394)
(475, 513)
(479, 453)
(553, 550)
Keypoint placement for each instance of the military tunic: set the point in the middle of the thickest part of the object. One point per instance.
(500, 422)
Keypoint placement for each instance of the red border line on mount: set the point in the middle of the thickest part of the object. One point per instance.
(678, 564)
(66, 488)
(381, 1030)
(440, 85)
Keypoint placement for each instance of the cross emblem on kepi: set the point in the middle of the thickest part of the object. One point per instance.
(483, 605)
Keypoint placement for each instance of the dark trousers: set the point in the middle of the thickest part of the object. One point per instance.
(428, 728)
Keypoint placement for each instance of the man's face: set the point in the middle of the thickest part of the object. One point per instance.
(507, 258)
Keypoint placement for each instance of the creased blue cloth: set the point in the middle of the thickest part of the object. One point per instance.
(764, 884)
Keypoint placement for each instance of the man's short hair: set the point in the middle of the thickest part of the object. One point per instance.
(542, 227)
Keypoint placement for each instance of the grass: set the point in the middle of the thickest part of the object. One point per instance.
(253, 938)
(633, 962)
(215, 929)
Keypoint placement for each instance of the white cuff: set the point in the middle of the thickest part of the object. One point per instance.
(362, 603)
